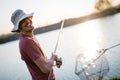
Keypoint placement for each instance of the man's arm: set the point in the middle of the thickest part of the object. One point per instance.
(45, 65)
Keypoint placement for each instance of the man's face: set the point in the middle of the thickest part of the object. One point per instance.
(26, 25)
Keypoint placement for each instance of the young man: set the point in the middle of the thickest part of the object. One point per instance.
(39, 66)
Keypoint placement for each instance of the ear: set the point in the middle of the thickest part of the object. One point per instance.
(19, 29)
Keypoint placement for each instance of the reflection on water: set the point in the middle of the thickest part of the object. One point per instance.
(84, 38)
(90, 37)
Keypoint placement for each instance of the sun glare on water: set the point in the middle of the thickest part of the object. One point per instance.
(90, 35)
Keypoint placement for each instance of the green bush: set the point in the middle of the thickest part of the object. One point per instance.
(114, 78)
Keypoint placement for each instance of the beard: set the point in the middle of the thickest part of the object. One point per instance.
(30, 29)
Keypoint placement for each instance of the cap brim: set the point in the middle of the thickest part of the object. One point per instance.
(15, 28)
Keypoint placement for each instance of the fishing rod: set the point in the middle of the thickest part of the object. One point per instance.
(59, 60)
(59, 36)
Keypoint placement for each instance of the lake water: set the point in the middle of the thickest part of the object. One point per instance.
(78, 39)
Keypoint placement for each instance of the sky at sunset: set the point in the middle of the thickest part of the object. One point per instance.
(45, 11)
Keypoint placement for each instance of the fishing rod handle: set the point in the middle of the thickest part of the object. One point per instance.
(59, 62)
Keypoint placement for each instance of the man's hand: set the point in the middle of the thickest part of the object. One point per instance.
(58, 60)
(54, 56)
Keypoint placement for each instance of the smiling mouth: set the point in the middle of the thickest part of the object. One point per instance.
(29, 24)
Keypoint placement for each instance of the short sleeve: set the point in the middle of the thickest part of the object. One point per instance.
(32, 50)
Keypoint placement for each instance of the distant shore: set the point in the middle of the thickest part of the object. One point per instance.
(68, 22)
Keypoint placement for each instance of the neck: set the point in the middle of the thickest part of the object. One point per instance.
(27, 33)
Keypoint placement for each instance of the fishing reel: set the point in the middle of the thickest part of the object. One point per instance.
(59, 62)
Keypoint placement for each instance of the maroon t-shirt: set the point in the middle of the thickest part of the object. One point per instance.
(30, 51)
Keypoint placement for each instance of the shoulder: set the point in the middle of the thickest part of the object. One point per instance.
(25, 41)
